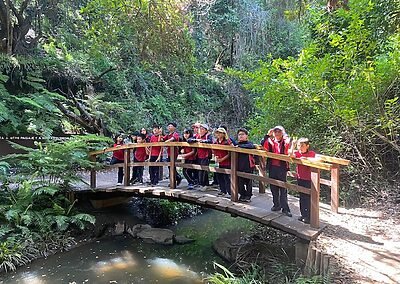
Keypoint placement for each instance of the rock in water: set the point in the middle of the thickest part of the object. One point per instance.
(136, 229)
(182, 240)
(119, 229)
(228, 245)
(158, 236)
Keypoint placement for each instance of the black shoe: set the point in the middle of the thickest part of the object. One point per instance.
(242, 199)
(275, 208)
(247, 199)
(287, 213)
(301, 219)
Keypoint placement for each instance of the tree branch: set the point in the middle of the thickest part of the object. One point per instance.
(97, 79)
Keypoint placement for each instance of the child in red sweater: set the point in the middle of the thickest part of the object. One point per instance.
(223, 159)
(189, 154)
(155, 154)
(303, 176)
(140, 155)
(118, 157)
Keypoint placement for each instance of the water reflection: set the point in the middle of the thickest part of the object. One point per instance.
(169, 270)
(123, 262)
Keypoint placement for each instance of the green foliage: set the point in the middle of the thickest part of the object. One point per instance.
(283, 273)
(34, 205)
(25, 104)
(239, 33)
(341, 91)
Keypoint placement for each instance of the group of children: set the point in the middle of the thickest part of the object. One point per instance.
(276, 141)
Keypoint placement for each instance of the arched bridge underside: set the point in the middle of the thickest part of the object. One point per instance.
(257, 210)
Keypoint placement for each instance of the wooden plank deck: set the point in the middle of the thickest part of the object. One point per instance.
(257, 210)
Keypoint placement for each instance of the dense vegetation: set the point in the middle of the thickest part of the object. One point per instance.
(342, 91)
(36, 217)
(328, 70)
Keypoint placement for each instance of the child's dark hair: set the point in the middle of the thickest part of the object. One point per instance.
(118, 135)
(156, 125)
(187, 131)
(224, 127)
(242, 130)
(303, 140)
(143, 136)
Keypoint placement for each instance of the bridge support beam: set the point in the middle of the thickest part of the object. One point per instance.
(301, 251)
(315, 188)
(172, 168)
(234, 177)
(335, 188)
(92, 158)
(262, 172)
(127, 169)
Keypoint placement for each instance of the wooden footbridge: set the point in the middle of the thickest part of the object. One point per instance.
(258, 210)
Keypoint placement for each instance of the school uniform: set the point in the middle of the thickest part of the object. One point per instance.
(139, 156)
(278, 170)
(155, 152)
(176, 138)
(190, 174)
(224, 180)
(118, 158)
(203, 158)
(245, 164)
(303, 175)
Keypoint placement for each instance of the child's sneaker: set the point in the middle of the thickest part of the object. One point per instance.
(119, 183)
(190, 187)
(221, 193)
(287, 213)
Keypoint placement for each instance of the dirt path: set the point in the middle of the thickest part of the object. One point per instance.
(365, 244)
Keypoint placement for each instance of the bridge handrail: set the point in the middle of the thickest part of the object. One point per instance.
(316, 162)
(322, 162)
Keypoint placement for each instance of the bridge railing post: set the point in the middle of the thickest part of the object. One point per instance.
(335, 188)
(262, 172)
(234, 176)
(172, 168)
(315, 189)
(127, 172)
(92, 158)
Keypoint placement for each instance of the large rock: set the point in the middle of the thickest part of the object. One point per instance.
(228, 245)
(182, 240)
(156, 235)
(137, 229)
(119, 229)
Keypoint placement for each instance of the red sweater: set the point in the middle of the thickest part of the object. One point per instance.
(304, 172)
(223, 153)
(155, 150)
(277, 147)
(174, 135)
(187, 150)
(118, 154)
(140, 154)
(201, 152)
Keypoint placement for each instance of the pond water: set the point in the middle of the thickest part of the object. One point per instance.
(126, 260)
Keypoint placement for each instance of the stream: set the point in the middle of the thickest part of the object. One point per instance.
(122, 259)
